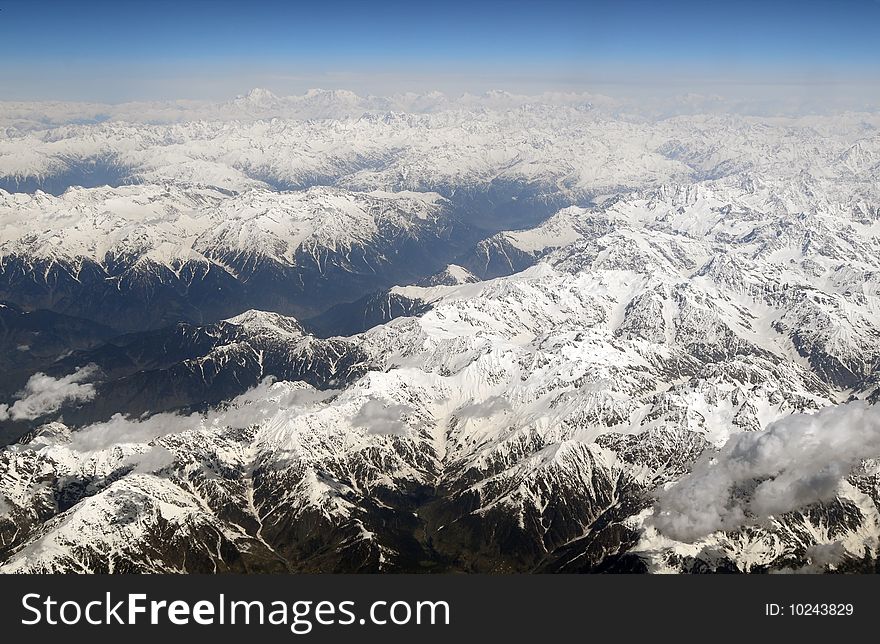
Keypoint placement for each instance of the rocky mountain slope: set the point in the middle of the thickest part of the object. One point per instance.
(137, 258)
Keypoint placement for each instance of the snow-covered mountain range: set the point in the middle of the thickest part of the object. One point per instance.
(562, 341)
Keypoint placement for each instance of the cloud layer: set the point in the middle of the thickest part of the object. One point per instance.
(796, 461)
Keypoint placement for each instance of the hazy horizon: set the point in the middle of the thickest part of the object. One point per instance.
(99, 52)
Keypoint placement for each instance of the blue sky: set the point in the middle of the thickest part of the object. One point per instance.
(88, 50)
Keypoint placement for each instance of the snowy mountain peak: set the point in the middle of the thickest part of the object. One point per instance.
(452, 275)
(257, 98)
(267, 321)
(259, 94)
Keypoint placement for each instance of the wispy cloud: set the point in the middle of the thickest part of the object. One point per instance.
(795, 462)
(120, 429)
(377, 418)
(484, 409)
(44, 394)
(152, 461)
(250, 408)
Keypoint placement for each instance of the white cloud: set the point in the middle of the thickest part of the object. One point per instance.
(796, 461)
(378, 418)
(120, 429)
(44, 394)
(151, 461)
(822, 555)
(250, 408)
(484, 409)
